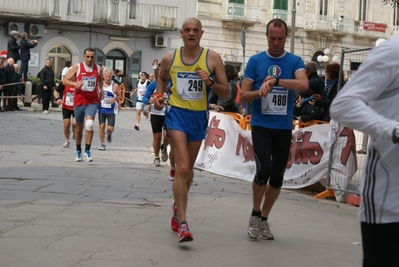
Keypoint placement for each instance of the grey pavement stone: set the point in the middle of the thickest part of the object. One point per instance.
(115, 211)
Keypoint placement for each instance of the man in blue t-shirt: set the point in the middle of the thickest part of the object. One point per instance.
(269, 82)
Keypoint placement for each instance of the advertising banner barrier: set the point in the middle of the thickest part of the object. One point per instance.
(227, 150)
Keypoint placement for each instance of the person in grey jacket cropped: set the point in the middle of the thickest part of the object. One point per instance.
(369, 103)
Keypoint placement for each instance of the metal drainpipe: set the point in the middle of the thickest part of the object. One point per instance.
(293, 26)
(91, 30)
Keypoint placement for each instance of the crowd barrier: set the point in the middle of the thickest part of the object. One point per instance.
(227, 150)
(244, 121)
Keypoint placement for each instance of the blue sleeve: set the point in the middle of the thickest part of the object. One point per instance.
(150, 90)
(299, 64)
(250, 70)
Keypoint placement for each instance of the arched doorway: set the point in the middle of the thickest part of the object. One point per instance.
(115, 59)
(59, 54)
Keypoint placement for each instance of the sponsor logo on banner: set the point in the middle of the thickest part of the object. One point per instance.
(227, 150)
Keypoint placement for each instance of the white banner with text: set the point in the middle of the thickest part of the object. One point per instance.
(227, 150)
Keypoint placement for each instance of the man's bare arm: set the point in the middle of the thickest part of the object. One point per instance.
(221, 87)
(100, 84)
(300, 82)
(246, 93)
(117, 90)
(163, 74)
(69, 78)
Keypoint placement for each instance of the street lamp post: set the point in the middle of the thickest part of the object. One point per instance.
(293, 26)
(243, 43)
(324, 59)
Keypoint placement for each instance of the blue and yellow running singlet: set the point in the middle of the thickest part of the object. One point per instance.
(188, 90)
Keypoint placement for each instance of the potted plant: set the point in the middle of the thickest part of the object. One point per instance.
(357, 24)
(35, 84)
(171, 22)
(162, 21)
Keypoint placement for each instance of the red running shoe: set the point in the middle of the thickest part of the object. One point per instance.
(174, 221)
(183, 234)
(172, 174)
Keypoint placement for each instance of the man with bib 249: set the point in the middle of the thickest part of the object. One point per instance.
(190, 69)
(270, 79)
(87, 94)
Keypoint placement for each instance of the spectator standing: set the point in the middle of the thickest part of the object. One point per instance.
(316, 84)
(324, 100)
(25, 45)
(229, 104)
(269, 82)
(13, 47)
(303, 110)
(369, 103)
(17, 88)
(48, 85)
(127, 82)
(186, 115)
(2, 80)
(8, 90)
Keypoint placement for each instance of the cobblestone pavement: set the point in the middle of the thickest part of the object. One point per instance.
(115, 210)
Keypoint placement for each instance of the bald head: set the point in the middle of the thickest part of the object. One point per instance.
(192, 19)
(311, 67)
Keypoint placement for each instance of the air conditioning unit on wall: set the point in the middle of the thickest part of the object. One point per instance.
(159, 41)
(15, 26)
(36, 30)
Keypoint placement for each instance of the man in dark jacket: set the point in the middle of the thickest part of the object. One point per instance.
(316, 84)
(48, 85)
(25, 47)
(12, 46)
(2, 79)
(9, 73)
(303, 110)
(127, 82)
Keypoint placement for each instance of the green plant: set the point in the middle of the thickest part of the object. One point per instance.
(34, 80)
(357, 22)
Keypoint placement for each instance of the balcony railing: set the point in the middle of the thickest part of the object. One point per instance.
(163, 16)
(107, 11)
(34, 8)
(240, 12)
(114, 12)
(335, 25)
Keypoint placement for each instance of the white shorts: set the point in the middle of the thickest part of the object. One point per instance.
(141, 106)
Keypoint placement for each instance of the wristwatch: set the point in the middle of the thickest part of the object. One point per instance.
(395, 135)
(212, 81)
(277, 80)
